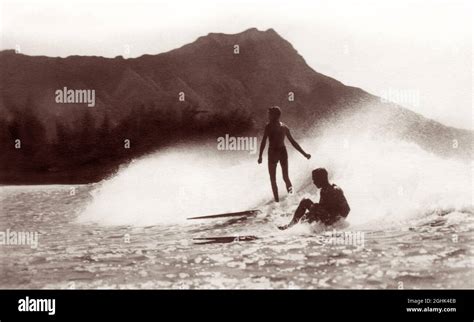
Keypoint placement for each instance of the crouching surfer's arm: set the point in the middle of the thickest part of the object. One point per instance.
(262, 145)
(344, 206)
(296, 145)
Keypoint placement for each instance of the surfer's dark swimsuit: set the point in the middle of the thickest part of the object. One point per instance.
(277, 153)
(276, 132)
(332, 206)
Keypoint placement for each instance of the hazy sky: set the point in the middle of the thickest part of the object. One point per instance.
(417, 52)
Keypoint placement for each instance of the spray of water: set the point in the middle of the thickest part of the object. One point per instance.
(385, 182)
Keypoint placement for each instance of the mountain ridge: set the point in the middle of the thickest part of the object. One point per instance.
(224, 92)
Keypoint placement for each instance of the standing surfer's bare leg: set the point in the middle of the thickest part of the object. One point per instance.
(272, 171)
(284, 170)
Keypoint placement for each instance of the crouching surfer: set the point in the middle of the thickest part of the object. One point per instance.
(332, 204)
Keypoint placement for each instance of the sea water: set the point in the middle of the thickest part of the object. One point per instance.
(412, 210)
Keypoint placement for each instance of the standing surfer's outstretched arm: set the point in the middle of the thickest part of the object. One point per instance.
(262, 145)
(296, 145)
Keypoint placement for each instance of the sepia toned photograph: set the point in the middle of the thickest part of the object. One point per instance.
(228, 145)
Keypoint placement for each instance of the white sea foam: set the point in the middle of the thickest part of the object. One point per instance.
(385, 182)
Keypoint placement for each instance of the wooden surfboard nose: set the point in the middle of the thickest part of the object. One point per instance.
(223, 239)
(231, 214)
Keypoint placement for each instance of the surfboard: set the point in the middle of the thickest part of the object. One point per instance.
(231, 214)
(223, 240)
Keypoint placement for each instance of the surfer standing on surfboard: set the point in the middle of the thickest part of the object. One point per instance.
(276, 132)
(332, 204)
